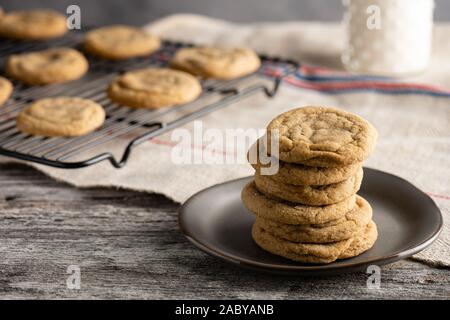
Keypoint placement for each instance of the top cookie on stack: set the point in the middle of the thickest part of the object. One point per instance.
(120, 42)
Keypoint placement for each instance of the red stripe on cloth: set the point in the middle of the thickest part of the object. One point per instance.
(321, 70)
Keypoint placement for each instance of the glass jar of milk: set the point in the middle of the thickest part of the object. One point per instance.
(387, 37)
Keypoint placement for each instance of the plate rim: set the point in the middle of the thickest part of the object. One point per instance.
(303, 268)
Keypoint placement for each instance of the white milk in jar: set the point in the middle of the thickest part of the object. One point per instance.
(387, 37)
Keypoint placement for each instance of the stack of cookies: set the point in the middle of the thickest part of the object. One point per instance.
(307, 209)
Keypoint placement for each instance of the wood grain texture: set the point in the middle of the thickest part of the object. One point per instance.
(128, 245)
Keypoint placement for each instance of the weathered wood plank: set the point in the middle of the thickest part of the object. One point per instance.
(128, 245)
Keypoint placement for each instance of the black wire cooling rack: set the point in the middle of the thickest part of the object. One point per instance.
(132, 126)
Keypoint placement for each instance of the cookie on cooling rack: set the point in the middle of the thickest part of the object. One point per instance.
(154, 88)
(61, 117)
(6, 89)
(217, 62)
(47, 66)
(120, 42)
(33, 25)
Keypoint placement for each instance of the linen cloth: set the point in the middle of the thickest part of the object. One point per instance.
(413, 120)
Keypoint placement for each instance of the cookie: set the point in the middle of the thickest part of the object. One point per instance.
(342, 229)
(362, 242)
(302, 252)
(298, 174)
(322, 137)
(154, 88)
(292, 213)
(316, 253)
(217, 62)
(120, 42)
(6, 88)
(47, 66)
(61, 117)
(309, 195)
(33, 25)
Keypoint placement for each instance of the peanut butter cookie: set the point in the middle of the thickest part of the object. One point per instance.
(363, 242)
(322, 137)
(316, 253)
(298, 174)
(309, 195)
(33, 25)
(61, 117)
(216, 62)
(47, 66)
(6, 88)
(342, 229)
(292, 213)
(120, 42)
(154, 88)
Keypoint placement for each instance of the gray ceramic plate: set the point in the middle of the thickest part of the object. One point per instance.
(216, 221)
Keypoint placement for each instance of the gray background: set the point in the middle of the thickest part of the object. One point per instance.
(138, 12)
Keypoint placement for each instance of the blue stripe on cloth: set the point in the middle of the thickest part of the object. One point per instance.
(378, 90)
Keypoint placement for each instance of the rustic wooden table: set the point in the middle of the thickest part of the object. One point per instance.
(127, 245)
